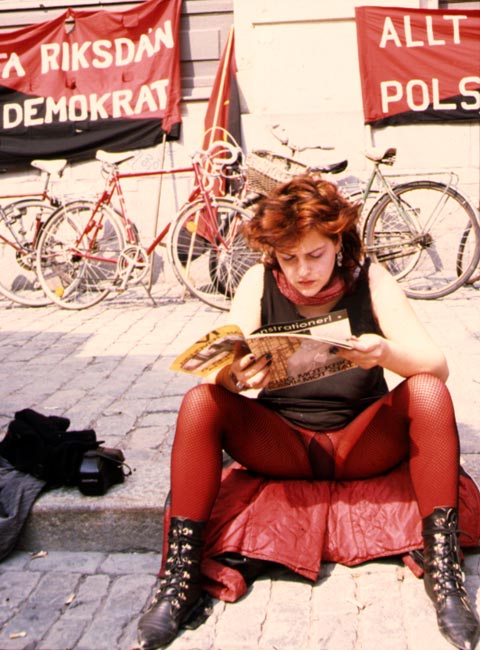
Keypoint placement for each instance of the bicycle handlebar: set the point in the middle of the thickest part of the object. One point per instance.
(222, 159)
(223, 153)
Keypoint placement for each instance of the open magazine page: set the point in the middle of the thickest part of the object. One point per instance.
(297, 359)
(300, 350)
(211, 352)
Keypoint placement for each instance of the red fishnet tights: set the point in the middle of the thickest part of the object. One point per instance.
(415, 420)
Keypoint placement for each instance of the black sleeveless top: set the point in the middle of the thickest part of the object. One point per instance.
(331, 402)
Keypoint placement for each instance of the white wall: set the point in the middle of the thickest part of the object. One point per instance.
(297, 65)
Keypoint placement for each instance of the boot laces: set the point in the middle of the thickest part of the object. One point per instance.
(175, 582)
(447, 570)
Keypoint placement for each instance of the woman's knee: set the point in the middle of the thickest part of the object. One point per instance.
(428, 392)
(427, 383)
(203, 393)
(207, 400)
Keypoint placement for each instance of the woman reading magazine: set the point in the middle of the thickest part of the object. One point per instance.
(344, 427)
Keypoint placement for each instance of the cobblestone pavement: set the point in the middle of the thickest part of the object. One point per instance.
(106, 368)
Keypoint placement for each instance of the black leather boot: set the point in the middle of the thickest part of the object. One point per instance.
(443, 579)
(179, 588)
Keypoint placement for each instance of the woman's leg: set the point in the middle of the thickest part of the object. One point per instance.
(416, 420)
(212, 418)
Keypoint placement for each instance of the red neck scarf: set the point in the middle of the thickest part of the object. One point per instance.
(334, 289)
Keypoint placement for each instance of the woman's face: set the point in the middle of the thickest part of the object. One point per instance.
(309, 262)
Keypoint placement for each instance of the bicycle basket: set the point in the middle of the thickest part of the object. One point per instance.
(266, 170)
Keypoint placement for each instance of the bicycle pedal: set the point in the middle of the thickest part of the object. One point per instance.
(118, 285)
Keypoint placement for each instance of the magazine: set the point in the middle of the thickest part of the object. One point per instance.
(301, 351)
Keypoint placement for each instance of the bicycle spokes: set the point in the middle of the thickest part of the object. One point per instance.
(78, 255)
(418, 237)
(20, 224)
(211, 266)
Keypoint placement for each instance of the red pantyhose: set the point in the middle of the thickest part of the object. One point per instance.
(415, 420)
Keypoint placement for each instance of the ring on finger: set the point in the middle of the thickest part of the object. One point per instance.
(239, 385)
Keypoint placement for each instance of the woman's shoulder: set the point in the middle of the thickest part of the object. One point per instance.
(245, 310)
(380, 277)
(254, 273)
(387, 295)
(376, 271)
(251, 282)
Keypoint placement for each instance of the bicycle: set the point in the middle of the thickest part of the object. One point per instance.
(21, 221)
(466, 243)
(425, 232)
(417, 229)
(88, 249)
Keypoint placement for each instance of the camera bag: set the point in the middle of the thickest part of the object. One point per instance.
(100, 468)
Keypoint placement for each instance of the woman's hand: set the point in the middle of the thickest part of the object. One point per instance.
(368, 351)
(247, 372)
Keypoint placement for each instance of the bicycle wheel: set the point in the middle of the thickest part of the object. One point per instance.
(210, 259)
(20, 225)
(418, 239)
(464, 253)
(77, 254)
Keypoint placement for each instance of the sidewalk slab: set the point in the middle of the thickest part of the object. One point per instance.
(104, 368)
(107, 368)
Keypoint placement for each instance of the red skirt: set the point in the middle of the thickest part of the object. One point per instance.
(300, 523)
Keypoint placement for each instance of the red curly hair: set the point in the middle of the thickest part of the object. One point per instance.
(302, 204)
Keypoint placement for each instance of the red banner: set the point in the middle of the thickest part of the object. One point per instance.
(89, 80)
(418, 65)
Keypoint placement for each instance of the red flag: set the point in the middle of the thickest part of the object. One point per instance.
(223, 111)
(221, 125)
(222, 118)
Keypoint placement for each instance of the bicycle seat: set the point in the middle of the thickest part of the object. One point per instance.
(50, 166)
(112, 158)
(386, 156)
(333, 168)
